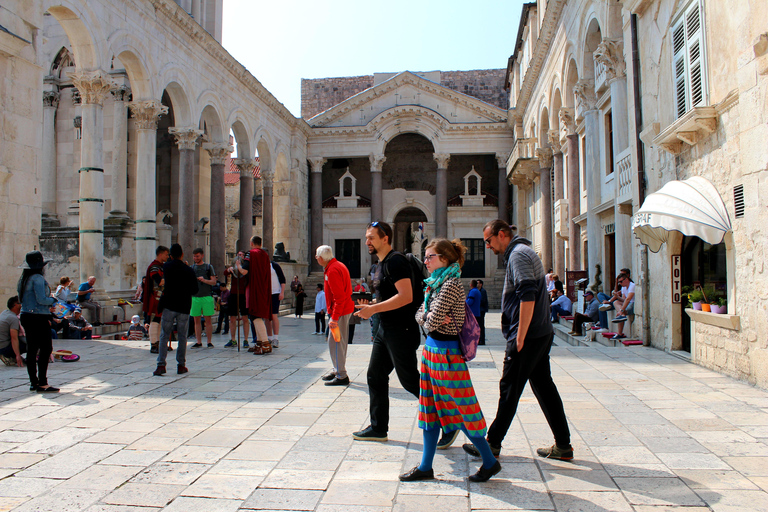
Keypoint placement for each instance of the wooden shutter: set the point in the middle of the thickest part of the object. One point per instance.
(688, 62)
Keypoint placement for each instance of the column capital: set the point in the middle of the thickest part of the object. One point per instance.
(120, 93)
(545, 157)
(50, 99)
(377, 162)
(610, 53)
(267, 177)
(584, 90)
(567, 124)
(501, 159)
(147, 113)
(92, 85)
(246, 166)
(185, 137)
(554, 140)
(442, 159)
(317, 163)
(218, 151)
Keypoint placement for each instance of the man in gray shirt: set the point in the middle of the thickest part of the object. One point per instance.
(11, 346)
(202, 301)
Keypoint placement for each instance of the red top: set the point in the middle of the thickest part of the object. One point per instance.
(338, 290)
(151, 296)
(259, 291)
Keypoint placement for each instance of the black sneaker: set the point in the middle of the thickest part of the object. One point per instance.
(154, 350)
(368, 434)
(328, 376)
(470, 449)
(555, 452)
(338, 382)
(447, 439)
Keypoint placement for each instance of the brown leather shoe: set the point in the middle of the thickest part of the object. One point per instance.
(181, 369)
(266, 347)
(159, 370)
(257, 349)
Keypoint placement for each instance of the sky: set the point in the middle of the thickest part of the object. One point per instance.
(280, 42)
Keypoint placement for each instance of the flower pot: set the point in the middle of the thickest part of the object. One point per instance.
(705, 307)
(697, 306)
(720, 310)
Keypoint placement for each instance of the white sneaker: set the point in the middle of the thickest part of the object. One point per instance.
(275, 343)
(605, 307)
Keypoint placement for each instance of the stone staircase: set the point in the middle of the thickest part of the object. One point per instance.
(590, 338)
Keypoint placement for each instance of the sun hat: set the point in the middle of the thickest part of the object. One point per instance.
(34, 260)
(135, 319)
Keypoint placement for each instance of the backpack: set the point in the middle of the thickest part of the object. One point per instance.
(469, 335)
(419, 273)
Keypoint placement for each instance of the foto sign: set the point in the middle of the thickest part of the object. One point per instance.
(676, 278)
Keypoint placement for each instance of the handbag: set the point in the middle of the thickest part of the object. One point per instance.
(469, 335)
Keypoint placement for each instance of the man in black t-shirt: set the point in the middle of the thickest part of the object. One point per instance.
(397, 339)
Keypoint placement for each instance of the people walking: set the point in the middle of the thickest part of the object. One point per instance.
(447, 398)
(526, 326)
(397, 337)
(181, 283)
(36, 300)
(338, 298)
(320, 310)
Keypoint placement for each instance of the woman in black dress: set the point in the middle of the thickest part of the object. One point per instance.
(300, 296)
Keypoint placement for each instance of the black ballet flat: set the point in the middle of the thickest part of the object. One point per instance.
(49, 389)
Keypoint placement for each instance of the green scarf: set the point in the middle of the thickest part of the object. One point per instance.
(436, 280)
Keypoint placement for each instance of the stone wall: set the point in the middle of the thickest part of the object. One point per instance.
(320, 94)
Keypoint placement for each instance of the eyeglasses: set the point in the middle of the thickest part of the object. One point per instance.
(374, 224)
(429, 257)
(488, 240)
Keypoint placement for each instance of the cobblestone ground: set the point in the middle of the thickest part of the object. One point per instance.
(651, 432)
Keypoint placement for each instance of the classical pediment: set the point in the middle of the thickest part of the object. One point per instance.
(409, 94)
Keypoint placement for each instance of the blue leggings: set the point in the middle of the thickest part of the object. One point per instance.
(431, 438)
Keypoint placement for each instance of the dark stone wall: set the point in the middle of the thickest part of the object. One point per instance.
(409, 164)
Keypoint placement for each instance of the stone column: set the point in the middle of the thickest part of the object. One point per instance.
(316, 220)
(557, 162)
(594, 182)
(377, 162)
(245, 231)
(441, 194)
(48, 175)
(218, 153)
(545, 185)
(267, 217)
(145, 115)
(574, 200)
(501, 159)
(186, 139)
(119, 154)
(93, 87)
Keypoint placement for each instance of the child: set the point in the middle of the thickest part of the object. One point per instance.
(136, 331)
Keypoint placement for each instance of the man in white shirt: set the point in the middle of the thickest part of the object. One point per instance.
(319, 310)
(562, 305)
(627, 300)
(278, 292)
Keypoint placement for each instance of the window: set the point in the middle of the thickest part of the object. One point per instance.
(688, 59)
(609, 142)
(474, 260)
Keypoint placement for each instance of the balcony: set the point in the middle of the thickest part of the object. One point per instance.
(522, 164)
(601, 78)
(624, 171)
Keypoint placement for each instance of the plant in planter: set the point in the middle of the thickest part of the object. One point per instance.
(696, 297)
(685, 296)
(709, 295)
(720, 306)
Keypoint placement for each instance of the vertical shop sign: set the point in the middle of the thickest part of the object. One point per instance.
(676, 290)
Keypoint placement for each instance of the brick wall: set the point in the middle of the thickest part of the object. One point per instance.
(320, 94)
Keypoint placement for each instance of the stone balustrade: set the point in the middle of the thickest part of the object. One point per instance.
(624, 171)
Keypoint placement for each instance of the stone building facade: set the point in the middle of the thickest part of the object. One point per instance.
(612, 101)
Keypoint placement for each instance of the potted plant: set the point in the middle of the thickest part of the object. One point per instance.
(709, 294)
(696, 297)
(720, 306)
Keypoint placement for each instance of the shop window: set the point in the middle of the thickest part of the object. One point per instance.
(474, 259)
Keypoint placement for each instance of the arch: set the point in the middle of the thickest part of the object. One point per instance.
(592, 38)
(76, 25)
(555, 104)
(176, 84)
(397, 208)
(240, 129)
(264, 147)
(543, 134)
(210, 122)
(129, 50)
(63, 59)
(571, 77)
(282, 170)
(409, 119)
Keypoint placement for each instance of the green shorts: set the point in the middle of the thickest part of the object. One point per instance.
(202, 306)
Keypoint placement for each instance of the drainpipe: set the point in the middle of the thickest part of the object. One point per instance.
(640, 176)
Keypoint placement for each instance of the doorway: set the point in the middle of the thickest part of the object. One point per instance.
(408, 237)
(347, 251)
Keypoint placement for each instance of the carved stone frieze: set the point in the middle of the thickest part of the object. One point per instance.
(610, 53)
(567, 123)
(93, 86)
(50, 99)
(146, 113)
(584, 90)
(377, 162)
(545, 157)
(442, 159)
(553, 136)
(186, 138)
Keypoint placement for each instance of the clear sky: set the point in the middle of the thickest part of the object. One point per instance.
(283, 41)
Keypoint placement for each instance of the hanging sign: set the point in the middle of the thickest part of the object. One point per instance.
(676, 279)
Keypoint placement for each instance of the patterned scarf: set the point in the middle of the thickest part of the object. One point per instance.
(436, 280)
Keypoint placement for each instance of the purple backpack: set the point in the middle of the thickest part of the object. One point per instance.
(469, 335)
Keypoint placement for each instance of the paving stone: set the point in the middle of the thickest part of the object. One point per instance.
(715, 479)
(319, 460)
(144, 495)
(222, 486)
(657, 491)
(281, 499)
(57, 440)
(692, 461)
(134, 457)
(63, 500)
(253, 468)
(503, 495)
(361, 492)
(260, 450)
(191, 504)
(20, 487)
(592, 502)
(199, 454)
(101, 477)
(19, 460)
(565, 480)
(71, 461)
(420, 503)
(220, 437)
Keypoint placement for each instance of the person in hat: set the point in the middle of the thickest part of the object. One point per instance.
(136, 331)
(79, 328)
(590, 313)
(36, 300)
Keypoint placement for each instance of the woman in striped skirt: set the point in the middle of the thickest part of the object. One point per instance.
(447, 399)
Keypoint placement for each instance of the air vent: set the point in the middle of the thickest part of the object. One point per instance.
(738, 200)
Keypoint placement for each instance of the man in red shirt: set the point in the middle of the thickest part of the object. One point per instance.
(338, 297)
(258, 293)
(150, 298)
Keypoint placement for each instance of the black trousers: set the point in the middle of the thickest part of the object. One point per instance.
(38, 339)
(481, 322)
(319, 322)
(529, 365)
(394, 348)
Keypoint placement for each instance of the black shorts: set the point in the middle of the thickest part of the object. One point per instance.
(232, 305)
(275, 303)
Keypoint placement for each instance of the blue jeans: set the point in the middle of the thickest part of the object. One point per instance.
(166, 328)
(557, 311)
(602, 314)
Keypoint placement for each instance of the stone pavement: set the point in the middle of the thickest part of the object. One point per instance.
(651, 432)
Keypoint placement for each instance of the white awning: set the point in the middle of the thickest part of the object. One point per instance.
(693, 207)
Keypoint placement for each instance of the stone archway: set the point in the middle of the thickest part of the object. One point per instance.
(406, 233)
